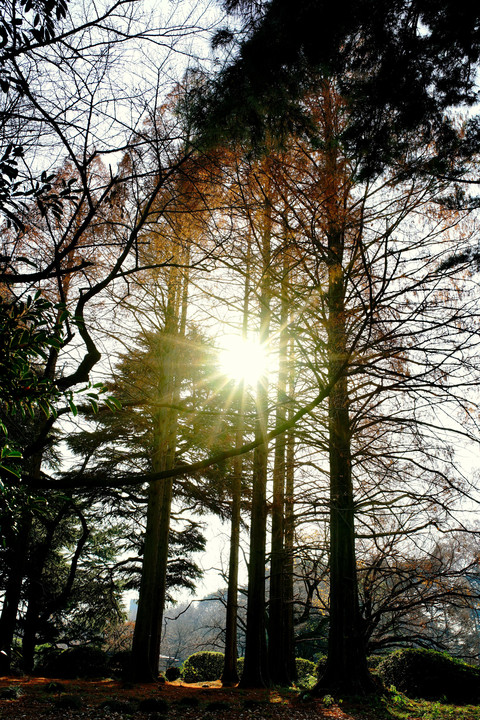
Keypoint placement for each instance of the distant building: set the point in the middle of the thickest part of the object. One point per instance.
(132, 611)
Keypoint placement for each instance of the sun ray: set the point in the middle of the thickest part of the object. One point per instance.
(243, 359)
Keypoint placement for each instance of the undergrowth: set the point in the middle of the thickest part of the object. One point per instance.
(394, 705)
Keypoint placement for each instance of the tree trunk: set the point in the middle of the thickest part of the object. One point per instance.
(346, 669)
(255, 670)
(278, 660)
(18, 569)
(148, 626)
(34, 593)
(230, 673)
(11, 599)
(289, 633)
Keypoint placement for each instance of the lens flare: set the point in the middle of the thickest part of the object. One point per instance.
(243, 360)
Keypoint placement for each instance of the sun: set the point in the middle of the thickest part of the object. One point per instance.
(243, 360)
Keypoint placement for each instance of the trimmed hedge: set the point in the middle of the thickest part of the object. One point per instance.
(203, 667)
(431, 675)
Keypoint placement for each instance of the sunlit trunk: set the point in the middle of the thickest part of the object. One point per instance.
(289, 526)
(148, 626)
(230, 673)
(255, 672)
(278, 660)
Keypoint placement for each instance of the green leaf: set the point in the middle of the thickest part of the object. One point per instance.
(11, 470)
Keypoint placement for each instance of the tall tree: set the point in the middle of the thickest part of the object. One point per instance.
(230, 674)
(255, 670)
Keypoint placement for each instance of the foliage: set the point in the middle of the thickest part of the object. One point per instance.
(203, 667)
(11, 693)
(172, 673)
(321, 663)
(396, 67)
(306, 672)
(27, 333)
(430, 674)
(119, 664)
(375, 660)
(81, 662)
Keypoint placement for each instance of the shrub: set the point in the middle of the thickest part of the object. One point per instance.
(83, 662)
(374, 661)
(431, 675)
(172, 673)
(305, 669)
(202, 667)
(45, 656)
(321, 664)
(119, 664)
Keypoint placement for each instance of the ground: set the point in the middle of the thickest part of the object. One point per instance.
(29, 698)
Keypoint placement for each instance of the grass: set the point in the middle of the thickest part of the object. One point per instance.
(396, 706)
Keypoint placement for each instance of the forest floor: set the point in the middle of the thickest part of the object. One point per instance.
(29, 698)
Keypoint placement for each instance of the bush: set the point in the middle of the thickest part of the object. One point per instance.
(374, 661)
(203, 667)
(431, 675)
(82, 662)
(305, 669)
(119, 664)
(321, 664)
(172, 673)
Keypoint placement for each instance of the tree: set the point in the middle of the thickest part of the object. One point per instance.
(414, 60)
(77, 230)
